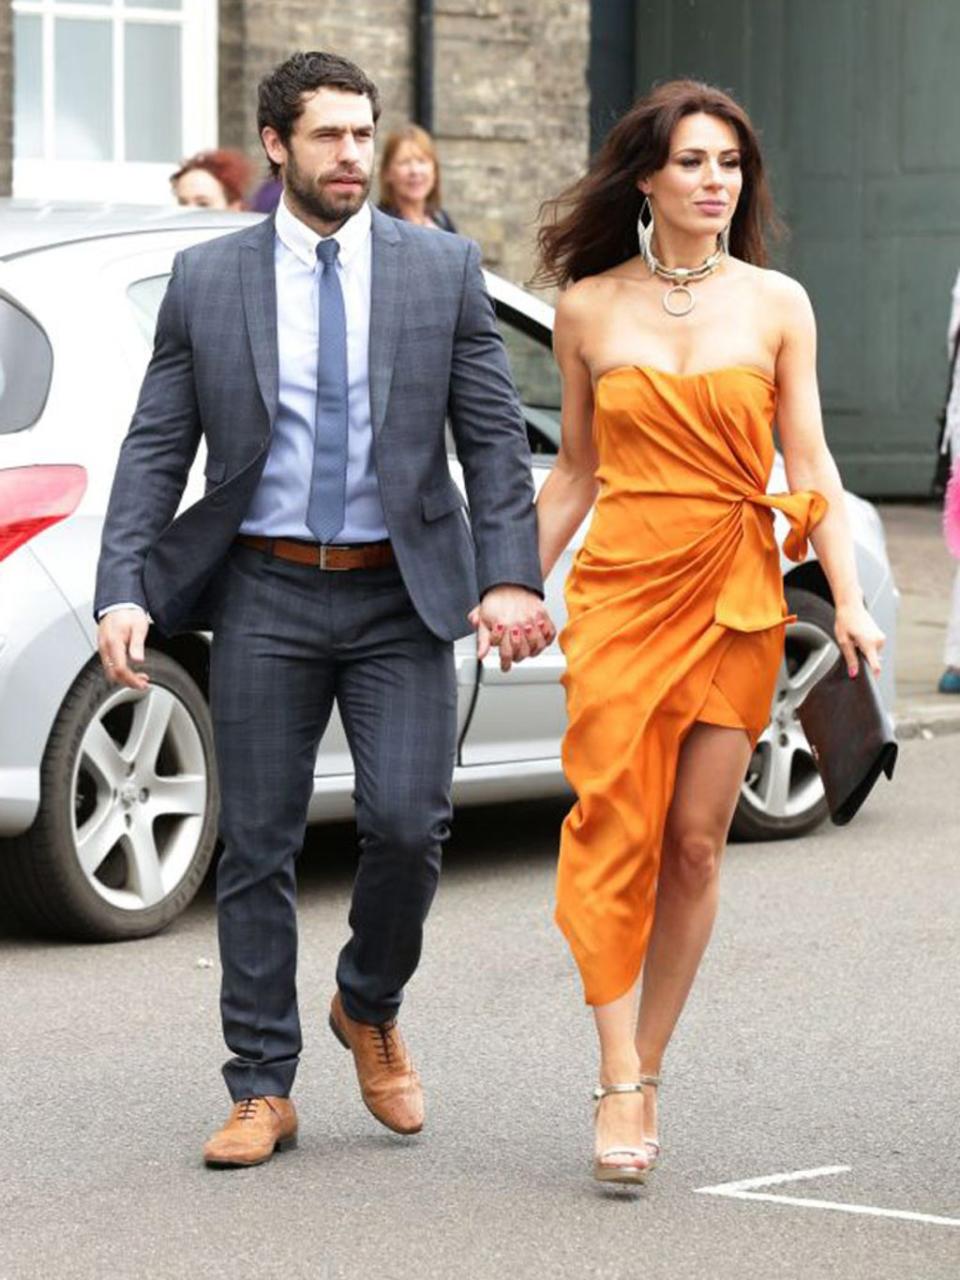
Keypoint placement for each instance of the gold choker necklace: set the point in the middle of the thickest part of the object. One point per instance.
(679, 299)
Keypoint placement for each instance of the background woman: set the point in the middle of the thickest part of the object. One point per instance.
(213, 180)
(950, 445)
(410, 179)
(674, 360)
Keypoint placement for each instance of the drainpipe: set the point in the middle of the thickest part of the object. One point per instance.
(423, 64)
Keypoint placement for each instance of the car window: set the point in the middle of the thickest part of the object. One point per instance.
(145, 297)
(536, 375)
(26, 367)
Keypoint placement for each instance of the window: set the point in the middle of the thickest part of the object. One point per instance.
(26, 366)
(145, 297)
(536, 376)
(111, 95)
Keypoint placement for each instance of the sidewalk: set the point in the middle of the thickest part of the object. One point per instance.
(923, 570)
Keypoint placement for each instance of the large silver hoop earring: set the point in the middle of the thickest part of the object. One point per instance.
(645, 232)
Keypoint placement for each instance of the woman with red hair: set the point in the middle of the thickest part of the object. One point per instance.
(213, 180)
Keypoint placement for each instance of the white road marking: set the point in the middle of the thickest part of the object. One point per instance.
(742, 1191)
(771, 1179)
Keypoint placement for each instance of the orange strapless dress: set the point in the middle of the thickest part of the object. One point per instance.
(675, 615)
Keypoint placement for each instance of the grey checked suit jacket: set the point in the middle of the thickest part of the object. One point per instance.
(434, 349)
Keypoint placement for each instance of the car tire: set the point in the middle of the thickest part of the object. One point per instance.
(128, 811)
(782, 795)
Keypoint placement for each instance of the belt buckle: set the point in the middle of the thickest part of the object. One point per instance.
(330, 568)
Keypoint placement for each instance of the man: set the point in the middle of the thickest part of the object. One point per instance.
(318, 354)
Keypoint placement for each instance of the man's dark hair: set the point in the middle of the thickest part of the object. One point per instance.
(280, 94)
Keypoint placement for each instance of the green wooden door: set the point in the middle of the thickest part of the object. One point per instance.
(858, 104)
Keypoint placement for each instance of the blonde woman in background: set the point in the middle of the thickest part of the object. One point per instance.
(410, 179)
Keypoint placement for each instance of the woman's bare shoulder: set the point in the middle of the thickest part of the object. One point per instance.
(582, 291)
(578, 302)
(777, 288)
(783, 300)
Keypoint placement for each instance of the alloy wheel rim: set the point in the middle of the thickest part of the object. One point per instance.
(138, 797)
(782, 780)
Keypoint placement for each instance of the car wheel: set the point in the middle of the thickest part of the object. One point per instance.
(782, 795)
(128, 809)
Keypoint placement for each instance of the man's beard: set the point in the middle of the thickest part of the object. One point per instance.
(313, 200)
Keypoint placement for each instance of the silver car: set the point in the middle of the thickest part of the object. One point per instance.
(108, 798)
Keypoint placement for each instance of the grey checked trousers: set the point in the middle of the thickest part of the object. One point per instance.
(288, 641)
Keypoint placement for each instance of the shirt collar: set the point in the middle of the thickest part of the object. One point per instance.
(302, 241)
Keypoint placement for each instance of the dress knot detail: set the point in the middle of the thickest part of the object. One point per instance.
(751, 598)
(804, 511)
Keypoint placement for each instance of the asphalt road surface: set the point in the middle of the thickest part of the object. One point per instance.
(823, 1034)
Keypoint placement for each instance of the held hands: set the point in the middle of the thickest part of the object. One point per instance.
(121, 636)
(515, 621)
(856, 630)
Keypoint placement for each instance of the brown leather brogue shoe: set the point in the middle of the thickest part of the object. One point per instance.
(256, 1129)
(389, 1084)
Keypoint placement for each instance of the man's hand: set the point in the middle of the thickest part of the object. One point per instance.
(121, 637)
(515, 621)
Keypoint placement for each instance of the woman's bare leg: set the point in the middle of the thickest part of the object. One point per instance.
(710, 770)
(620, 1117)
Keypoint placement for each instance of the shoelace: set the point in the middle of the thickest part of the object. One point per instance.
(248, 1109)
(386, 1045)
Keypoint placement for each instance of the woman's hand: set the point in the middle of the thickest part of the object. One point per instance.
(856, 630)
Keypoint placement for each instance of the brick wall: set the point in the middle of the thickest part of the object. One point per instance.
(6, 97)
(257, 34)
(512, 115)
(510, 94)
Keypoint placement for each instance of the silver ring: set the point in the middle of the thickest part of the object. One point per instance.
(109, 664)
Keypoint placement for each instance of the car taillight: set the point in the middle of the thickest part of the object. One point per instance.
(33, 498)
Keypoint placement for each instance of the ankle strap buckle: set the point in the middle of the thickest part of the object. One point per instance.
(604, 1090)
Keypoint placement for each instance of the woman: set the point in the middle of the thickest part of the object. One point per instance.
(675, 356)
(950, 445)
(410, 179)
(213, 180)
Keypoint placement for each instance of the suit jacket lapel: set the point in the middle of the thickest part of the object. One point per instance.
(387, 295)
(259, 285)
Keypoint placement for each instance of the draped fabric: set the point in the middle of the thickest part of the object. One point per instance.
(675, 615)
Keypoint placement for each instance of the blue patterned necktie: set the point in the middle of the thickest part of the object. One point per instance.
(328, 483)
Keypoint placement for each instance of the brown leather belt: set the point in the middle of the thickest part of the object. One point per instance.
(371, 555)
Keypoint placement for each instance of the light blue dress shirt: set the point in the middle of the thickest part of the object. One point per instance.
(279, 506)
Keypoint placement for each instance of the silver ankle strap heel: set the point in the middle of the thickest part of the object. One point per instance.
(652, 1145)
(604, 1170)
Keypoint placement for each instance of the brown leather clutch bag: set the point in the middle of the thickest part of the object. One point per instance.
(851, 736)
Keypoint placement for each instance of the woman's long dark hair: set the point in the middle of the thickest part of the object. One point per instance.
(592, 226)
